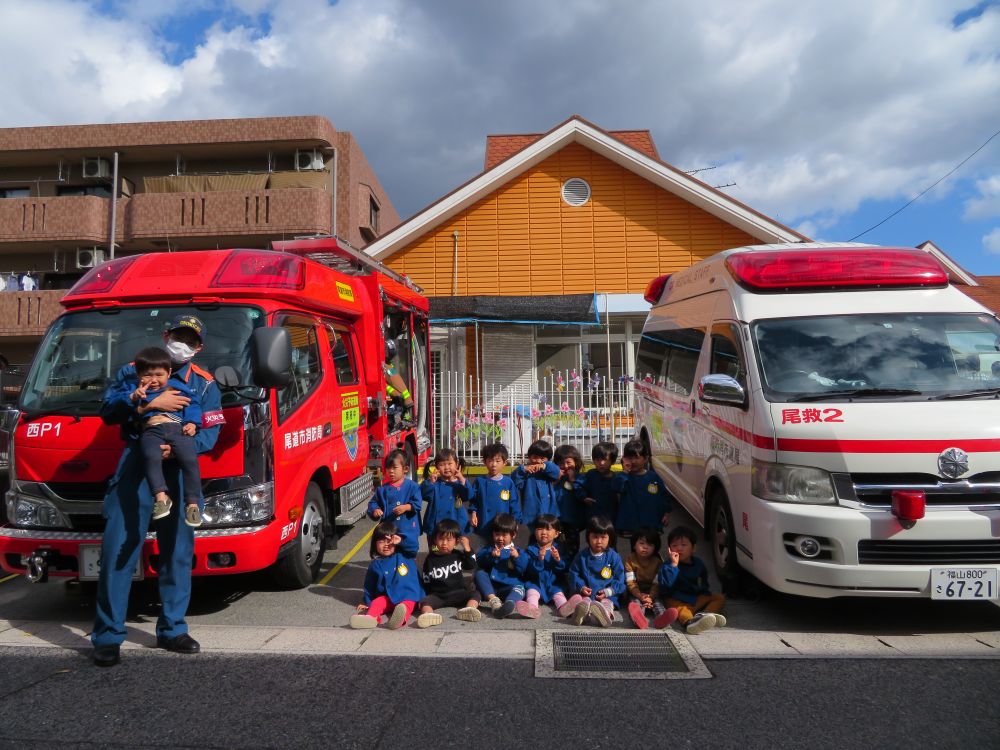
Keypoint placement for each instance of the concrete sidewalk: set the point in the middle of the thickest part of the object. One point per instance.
(469, 641)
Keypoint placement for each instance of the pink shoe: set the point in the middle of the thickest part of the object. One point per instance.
(570, 606)
(638, 614)
(522, 608)
(666, 618)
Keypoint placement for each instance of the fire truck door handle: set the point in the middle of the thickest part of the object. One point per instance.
(327, 429)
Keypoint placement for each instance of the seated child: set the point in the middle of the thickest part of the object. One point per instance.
(596, 576)
(569, 497)
(501, 568)
(173, 428)
(493, 494)
(641, 570)
(445, 494)
(546, 566)
(392, 581)
(684, 584)
(444, 584)
(534, 481)
(599, 497)
(398, 499)
(643, 499)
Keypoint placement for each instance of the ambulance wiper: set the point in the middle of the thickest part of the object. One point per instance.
(966, 394)
(855, 393)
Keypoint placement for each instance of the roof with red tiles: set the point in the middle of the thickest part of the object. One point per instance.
(502, 147)
(987, 293)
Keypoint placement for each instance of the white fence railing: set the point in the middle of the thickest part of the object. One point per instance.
(563, 407)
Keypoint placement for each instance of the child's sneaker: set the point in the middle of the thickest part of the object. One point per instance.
(429, 619)
(528, 610)
(700, 623)
(192, 516)
(398, 617)
(638, 614)
(469, 614)
(161, 508)
(570, 606)
(666, 618)
(580, 613)
(505, 610)
(494, 603)
(720, 620)
(600, 615)
(363, 622)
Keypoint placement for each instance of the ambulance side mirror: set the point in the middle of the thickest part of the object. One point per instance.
(271, 357)
(722, 389)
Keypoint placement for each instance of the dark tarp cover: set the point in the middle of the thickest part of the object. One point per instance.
(568, 309)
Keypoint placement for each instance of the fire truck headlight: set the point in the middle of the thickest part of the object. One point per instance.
(782, 483)
(24, 510)
(249, 505)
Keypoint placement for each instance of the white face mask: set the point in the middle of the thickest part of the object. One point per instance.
(180, 352)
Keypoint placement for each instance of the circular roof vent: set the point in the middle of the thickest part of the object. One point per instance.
(575, 191)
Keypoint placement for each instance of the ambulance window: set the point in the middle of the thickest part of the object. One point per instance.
(651, 359)
(343, 356)
(685, 349)
(727, 357)
(306, 367)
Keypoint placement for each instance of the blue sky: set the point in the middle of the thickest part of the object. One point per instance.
(828, 117)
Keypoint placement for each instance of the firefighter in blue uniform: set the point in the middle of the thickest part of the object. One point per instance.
(128, 504)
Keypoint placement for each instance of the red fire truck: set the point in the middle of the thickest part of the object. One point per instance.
(297, 337)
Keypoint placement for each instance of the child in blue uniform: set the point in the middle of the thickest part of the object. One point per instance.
(392, 581)
(546, 566)
(569, 496)
(399, 500)
(501, 568)
(599, 496)
(643, 499)
(597, 575)
(445, 495)
(534, 480)
(493, 494)
(683, 583)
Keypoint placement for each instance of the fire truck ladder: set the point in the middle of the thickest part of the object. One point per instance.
(344, 257)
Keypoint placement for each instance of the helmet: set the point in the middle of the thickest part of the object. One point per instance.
(390, 350)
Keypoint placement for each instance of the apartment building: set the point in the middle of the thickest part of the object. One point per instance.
(73, 196)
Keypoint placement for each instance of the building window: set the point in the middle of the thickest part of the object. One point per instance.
(373, 215)
(100, 191)
(20, 192)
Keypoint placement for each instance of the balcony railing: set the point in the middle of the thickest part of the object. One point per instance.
(28, 313)
(82, 218)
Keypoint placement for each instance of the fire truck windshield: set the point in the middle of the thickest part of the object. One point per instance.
(82, 351)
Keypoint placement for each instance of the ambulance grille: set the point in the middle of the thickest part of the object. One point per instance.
(921, 552)
(979, 489)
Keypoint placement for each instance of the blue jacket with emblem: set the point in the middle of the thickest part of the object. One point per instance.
(603, 571)
(505, 569)
(538, 495)
(686, 582)
(388, 497)
(643, 500)
(491, 497)
(445, 500)
(396, 577)
(569, 497)
(600, 488)
(545, 575)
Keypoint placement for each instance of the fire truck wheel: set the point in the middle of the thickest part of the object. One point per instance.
(722, 535)
(300, 566)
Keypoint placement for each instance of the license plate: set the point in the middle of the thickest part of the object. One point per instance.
(964, 583)
(90, 563)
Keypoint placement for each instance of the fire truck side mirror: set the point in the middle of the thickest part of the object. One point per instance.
(271, 357)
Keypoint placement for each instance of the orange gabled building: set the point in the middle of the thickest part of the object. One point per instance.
(539, 262)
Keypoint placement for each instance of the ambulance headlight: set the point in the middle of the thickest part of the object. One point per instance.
(781, 483)
(25, 510)
(249, 505)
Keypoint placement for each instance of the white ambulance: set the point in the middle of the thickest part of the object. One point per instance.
(831, 415)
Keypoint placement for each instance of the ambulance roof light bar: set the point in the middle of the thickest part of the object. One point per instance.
(835, 268)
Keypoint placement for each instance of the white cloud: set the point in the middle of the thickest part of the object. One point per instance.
(991, 242)
(809, 108)
(987, 204)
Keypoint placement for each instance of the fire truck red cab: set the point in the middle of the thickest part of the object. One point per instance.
(290, 462)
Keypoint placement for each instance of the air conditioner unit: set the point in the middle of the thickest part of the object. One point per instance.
(88, 257)
(95, 167)
(308, 160)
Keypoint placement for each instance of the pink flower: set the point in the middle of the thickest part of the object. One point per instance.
(474, 419)
(549, 409)
(581, 413)
(564, 406)
(535, 414)
(502, 423)
(487, 419)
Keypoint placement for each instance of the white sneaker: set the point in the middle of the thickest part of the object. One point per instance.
(700, 623)
(363, 622)
(469, 614)
(720, 621)
(429, 619)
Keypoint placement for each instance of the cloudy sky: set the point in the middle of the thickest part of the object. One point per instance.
(827, 116)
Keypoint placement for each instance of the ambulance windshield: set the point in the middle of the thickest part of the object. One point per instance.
(83, 350)
(878, 357)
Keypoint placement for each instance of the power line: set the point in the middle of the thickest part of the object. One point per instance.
(927, 190)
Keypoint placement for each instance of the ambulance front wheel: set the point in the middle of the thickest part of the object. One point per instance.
(300, 565)
(722, 536)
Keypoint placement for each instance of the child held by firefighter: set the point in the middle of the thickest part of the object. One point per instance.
(444, 583)
(398, 500)
(176, 429)
(596, 576)
(392, 582)
(501, 568)
(683, 583)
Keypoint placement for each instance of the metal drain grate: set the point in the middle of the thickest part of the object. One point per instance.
(616, 655)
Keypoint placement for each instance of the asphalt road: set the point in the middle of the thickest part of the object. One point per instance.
(155, 699)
